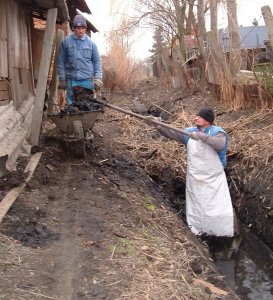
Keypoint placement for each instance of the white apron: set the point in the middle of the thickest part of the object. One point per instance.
(208, 204)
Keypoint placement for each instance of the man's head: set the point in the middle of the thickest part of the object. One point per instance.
(205, 117)
(79, 25)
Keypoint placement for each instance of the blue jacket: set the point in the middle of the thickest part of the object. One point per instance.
(212, 131)
(79, 59)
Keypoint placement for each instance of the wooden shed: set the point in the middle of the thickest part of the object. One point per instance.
(20, 57)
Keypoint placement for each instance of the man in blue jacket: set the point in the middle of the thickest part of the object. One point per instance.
(79, 61)
(208, 204)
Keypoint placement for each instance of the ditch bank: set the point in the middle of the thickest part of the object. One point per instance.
(100, 228)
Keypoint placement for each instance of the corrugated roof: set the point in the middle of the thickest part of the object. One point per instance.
(252, 37)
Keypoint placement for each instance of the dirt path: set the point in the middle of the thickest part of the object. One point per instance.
(99, 228)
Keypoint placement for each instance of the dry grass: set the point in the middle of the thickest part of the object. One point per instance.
(241, 91)
(156, 154)
(159, 257)
(12, 252)
(254, 144)
(144, 145)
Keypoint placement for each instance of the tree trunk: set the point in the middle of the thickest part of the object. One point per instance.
(234, 38)
(202, 38)
(211, 66)
(213, 17)
(268, 19)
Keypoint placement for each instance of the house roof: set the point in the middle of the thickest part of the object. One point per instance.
(252, 37)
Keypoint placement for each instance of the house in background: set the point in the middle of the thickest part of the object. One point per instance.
(21, 43)
(253, 47)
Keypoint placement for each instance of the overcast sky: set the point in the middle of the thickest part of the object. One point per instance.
(247, 11)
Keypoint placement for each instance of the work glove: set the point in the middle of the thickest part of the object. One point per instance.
(98, 84)
(194, 135)
(62, 84)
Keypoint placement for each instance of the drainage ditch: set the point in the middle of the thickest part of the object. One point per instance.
(249, 270)
(247, 263)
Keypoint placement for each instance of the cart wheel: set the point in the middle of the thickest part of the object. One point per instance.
(78, 129)
(79, 135)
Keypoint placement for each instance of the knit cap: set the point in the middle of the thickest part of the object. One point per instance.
(79, 21)
(207, 114)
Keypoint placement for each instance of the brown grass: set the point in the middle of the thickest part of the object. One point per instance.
(159, 257)
(242, 93)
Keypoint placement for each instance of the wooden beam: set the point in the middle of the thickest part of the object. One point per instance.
(4, 95)
(12, 195)
(48, 44)
(268, 20)
(54, 80)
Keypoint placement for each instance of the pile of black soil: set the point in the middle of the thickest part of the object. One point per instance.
(81, 106)
(26, 225)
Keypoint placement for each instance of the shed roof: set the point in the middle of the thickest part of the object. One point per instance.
(39, 8)
(73, 5)
(67, 10)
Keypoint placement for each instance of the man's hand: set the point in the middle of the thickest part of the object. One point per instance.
(98, 84)
(62, 85)
(194, 135)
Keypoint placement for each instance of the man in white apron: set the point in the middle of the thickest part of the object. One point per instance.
(208, 204)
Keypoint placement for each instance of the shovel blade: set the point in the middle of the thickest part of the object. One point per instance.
(3, 169)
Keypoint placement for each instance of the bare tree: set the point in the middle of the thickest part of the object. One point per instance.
(175, 18)
(234, 37)
(202, 37)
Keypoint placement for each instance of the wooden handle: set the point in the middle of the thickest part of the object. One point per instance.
(128, 112)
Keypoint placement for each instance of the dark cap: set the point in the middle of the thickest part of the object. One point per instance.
(207, 114)
(79, 21)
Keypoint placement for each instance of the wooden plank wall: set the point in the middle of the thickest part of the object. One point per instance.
(4, 92)
(3, 40)
(37, 44)
(19, 49)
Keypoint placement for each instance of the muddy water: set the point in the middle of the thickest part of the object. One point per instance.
(249, 271)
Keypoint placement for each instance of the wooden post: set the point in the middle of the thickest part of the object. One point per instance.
(48, 44)
(268, 20)
(53, 84)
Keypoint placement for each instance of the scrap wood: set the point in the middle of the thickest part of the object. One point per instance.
(12, 195)
(210, 286)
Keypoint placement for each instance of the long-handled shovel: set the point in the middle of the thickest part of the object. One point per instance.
(3, 169)
(128, 112)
